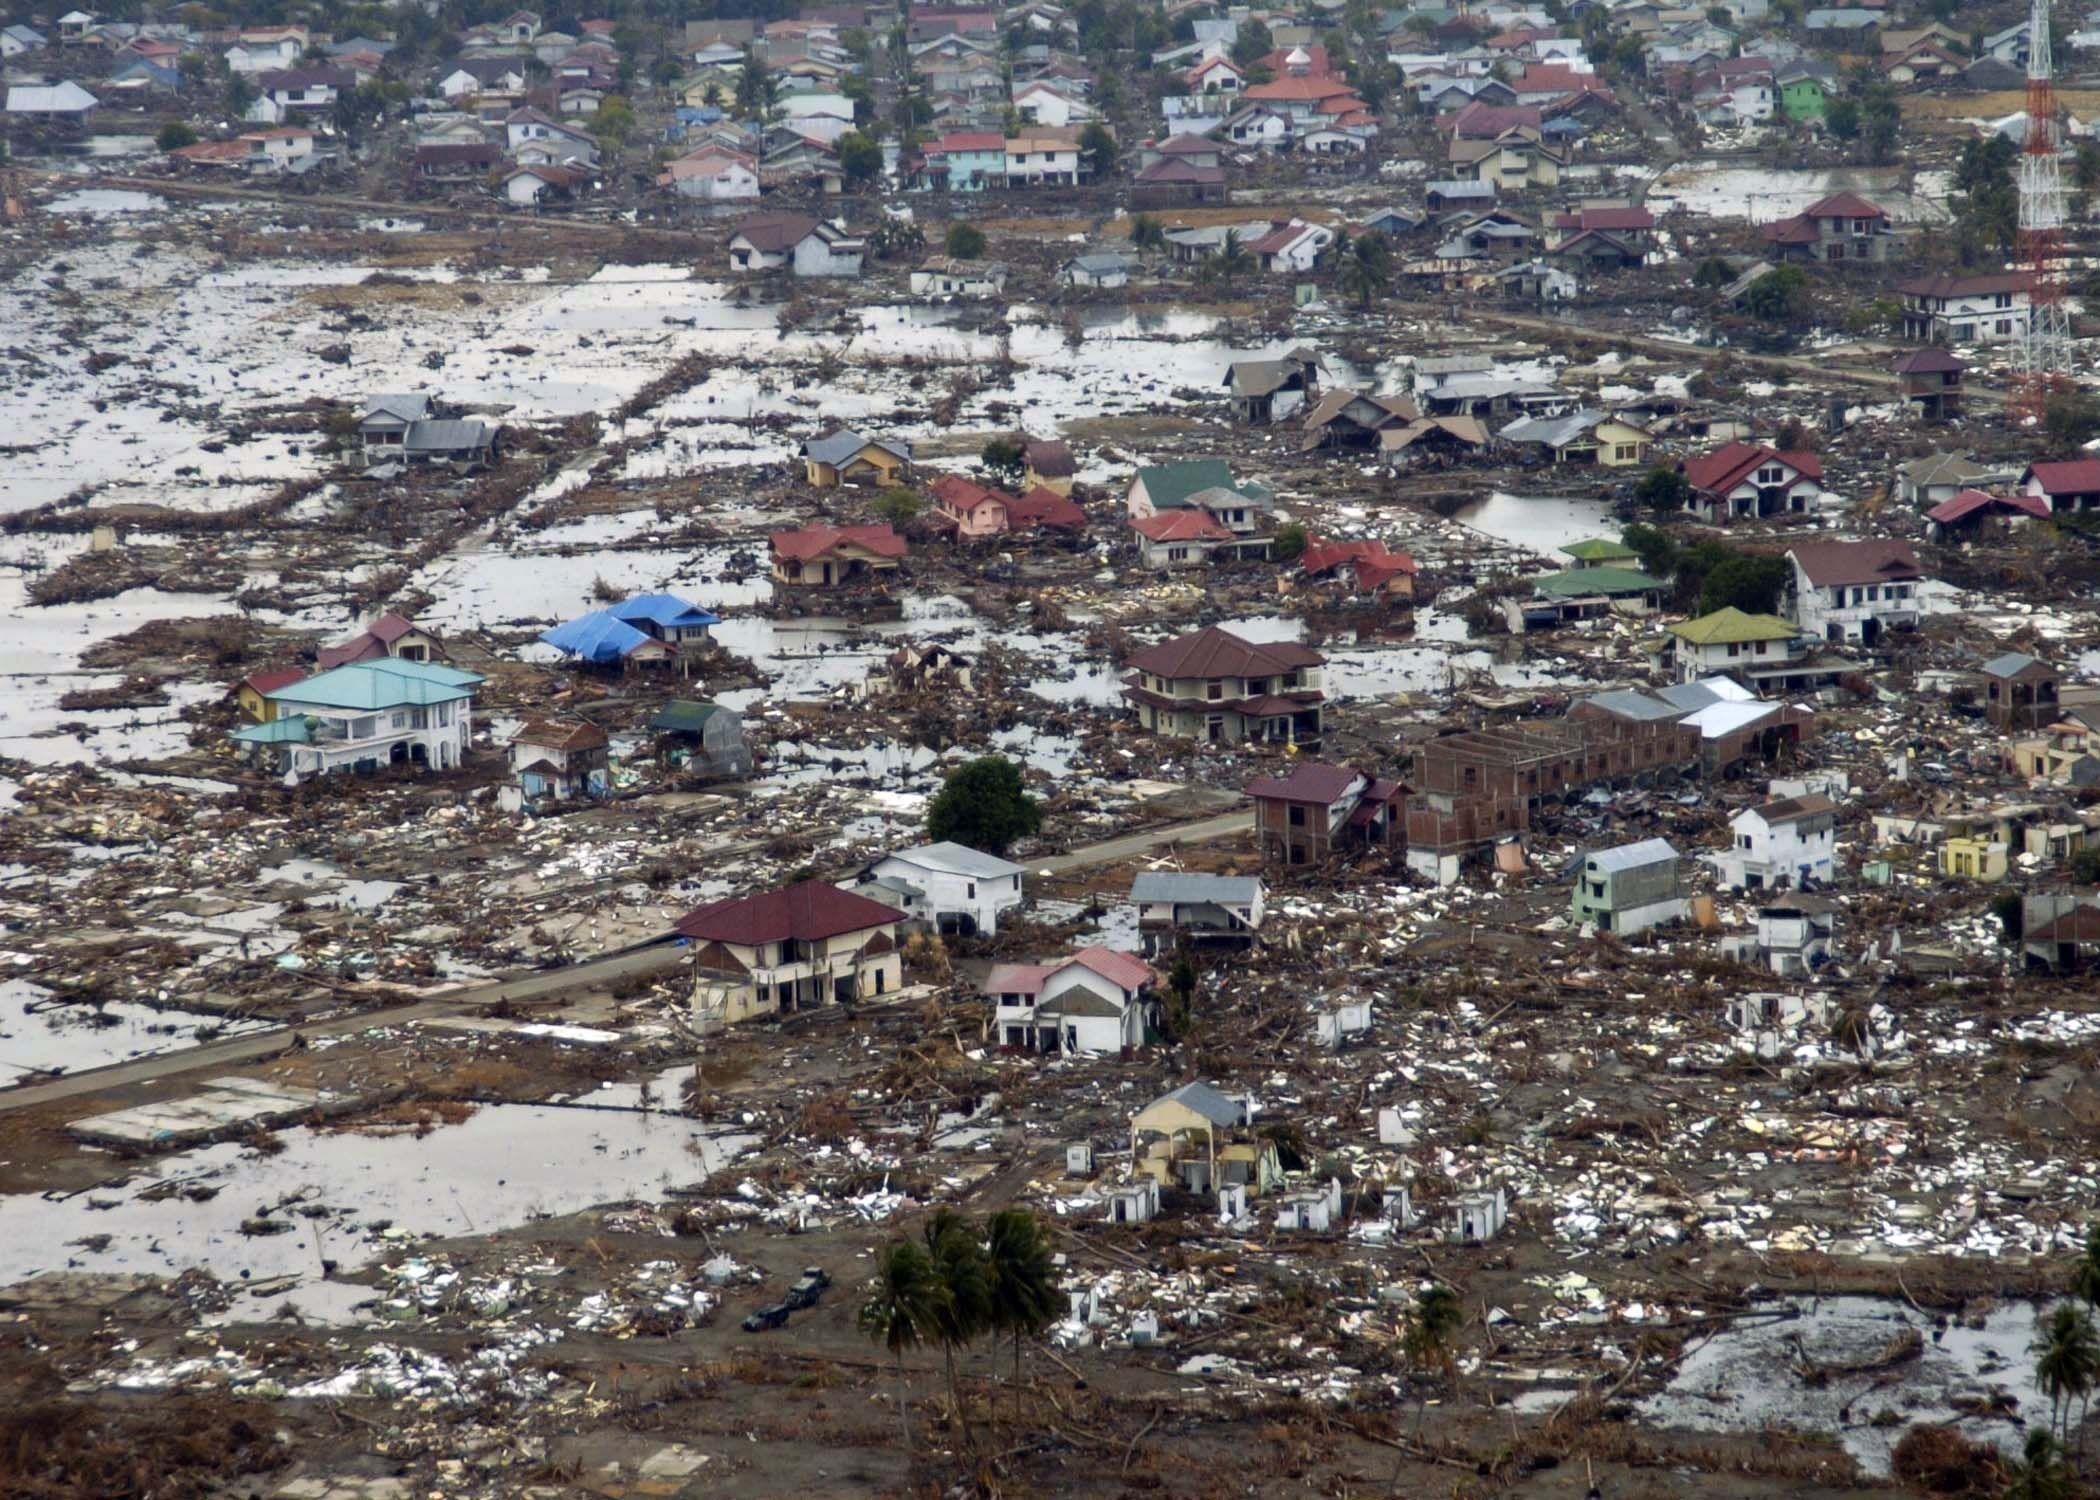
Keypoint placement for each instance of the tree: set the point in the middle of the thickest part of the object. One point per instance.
(757, 88)
(982, 804)
(1986, 199)
(1289, 542)
(1777, 296)
(1004, 454)
(2085, 1276)
(896, 237)
(965, 241)
(1656, 547)
(2070, 418)
(1880, 122)
(1146, 233)
(965, 1311)
(1233, 258)
(896, 504)
(1663, 489)
(1429, 1335)
(1367, 268)
(614, 120)
(174, 136)
(1023, 1297)
(2041, 1473)
(860, 158)
(1098, 148)
(1750, 584)
(902, 1310)
(2085, 869)
(1841, 119)
(2069, 1361)
(1252, 41)
(240, 95)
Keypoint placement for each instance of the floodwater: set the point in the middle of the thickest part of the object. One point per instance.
(40, 1037)
(1744, 1379)
(356, 1196)
(1539, 523)
(1729, 190)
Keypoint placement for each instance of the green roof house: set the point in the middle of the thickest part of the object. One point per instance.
(1730, 641)
(706, 738)
(1600, 552)
(369, 714)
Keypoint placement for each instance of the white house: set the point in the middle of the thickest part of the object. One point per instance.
(1224, 910)
(263, 55)
(369, 714)
(1853, 591)
(949, 886)
(711, 174)
(288, 148)
(802, 242)
(1101, 269)
(1780, 845)
(530, 183)
(1098, 1000)
(1989, 309)
(16, 40)
(561, 143)
(941, 277)
(1039, 103)
(1292, 247)
(1036, 160)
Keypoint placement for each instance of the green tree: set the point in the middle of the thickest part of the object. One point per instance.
(964, 1273)
(2041, 1473)
(896, 505)
(174, 136)
(2085, 869)
(1657, 548)
(1750, 584)
(1289, 544)
(1778, 296)
(983, 805)
(1146, 233)
(1004, 454)
(2070, 417)
(1880, 122)
(239, 95)
(1367, 269)
(1429, 1336)
(1841, 118)
(903, 1311)
(2069, 1361)
(1098, 147)
(1663, 489)
(860, 158)
(757, 88)
(2085, 1276)
(614, 120)
(1252, 41)
(965, 241)
(1233, 258)
(1023, 1296)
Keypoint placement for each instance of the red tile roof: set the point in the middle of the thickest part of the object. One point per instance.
(967, 140)
(1124, 969)
(1043, 506)
(810, 912)
(1843, 206)
(270, 679)
(559, 734)
(1968, 502)
(1605, 218)
(1310, 781)
(1216, 652)
(2074, 476)
(1286, 90)
(1966, 286)
(963, 496)
(1726, 467)
(1929, 362)
(1843, 564)
(1374, 564)
(1190, 525)
(1484, 122)
(814, 541)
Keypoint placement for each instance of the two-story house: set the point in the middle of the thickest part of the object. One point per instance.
(1749, 479)
(1843, 226)
(1043, 160)
(1097, 1000)
(949, 887)
(834, 556)
(1780, 845)
(366, 716)
(1317, 810)
(1212, 685)
(1732, 643)
(964, 161)
(298, 93)
(561, 759)
(1629, 889)
(1212, 911)
(1853, 591)
(803, 946)
(1991, 309)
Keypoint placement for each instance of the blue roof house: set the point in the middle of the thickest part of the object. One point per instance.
(647, 630)
(367, 715)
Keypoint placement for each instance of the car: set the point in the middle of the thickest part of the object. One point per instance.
(805, 1292)
(767, 1318)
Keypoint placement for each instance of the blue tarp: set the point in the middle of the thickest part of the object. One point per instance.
(599, 636)
(662, 610)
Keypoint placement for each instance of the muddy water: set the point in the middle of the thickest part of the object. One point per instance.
(361, 1196)
(39, 1037)
(1539, 523)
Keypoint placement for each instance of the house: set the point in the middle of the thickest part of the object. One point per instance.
(1975, 856)
(808, 245)
(259, 52)
(1749, 479)
(406, 428)
(1268, 390)
(970, 508)
(1352, 420)
(1199, 911)
(846, 457)
(1629, 889)
(1922, 63)
(1211, 685)
(1931, 379)
(942, 277)
(1842, 226)
(964, 161)
(1182, 538)
(18, 40)
(1196, 150)
(535, 139)
(529, 184)
(2020, 692)
(2067, 487)
(1794, 936)
(1925, 482)
(644, 631)
(1582, 594)
(1043, 160)
(1806, 88)
(1319, 810)
(1971, 512)
(460, 161)
(365, 716)
(1097, 1000)
(2059, 932)
(1989, 309)
(251, 693)
(705, 738)
(1853, 591)
(1048, 465)
(1600, 552)
(1369, 567)
(1100, 269)
(1176, 1137)
(1163, 487)
(946, 886)
(1781, 845)
(1171, 183)
(1513, 162)
(1456, 193)
(473, 76)
(65, 102)
(561, 759)
(1763, 649)
(835, 556)
(1041, 102)
(712, 174)
(295, 93)
(1291, 246)
(1726, 722)
(798, 948)
(1044, 509)
(1583, 437)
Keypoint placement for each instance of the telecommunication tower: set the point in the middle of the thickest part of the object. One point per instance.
(2045, 350)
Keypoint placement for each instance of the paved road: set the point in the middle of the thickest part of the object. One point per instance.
(593, 973)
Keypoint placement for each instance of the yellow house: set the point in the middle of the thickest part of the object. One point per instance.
(1176, 1136)
(1973, 858)
(713, 84)
(845, 457)
(1048, 465)
(249, 692)
(1514, 162)
(803, 946)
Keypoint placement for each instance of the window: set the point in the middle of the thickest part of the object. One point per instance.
(1297, 816)
(1214, 690)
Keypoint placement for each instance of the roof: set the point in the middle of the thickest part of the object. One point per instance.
(1217, 652)
(2074, 476)
(683, 716)
(956, 859)
(386, 683)
(1263, 377)
(1204, 1100)
(2012, 664)
(1598, 549)
(600, 637)
(814, 541)
(1966, 286)
(1180, 526)
(1929, 362)
(49, 99)
(1731, 626)
(835, 448)
(1577, 582)
(1178, 889)
(1309, 781)
(1841, 564)
(1793, 809)
(559, 734)
(1124, 969)
(1969, 502)
(662, 609)
(412, 407)
(1634, 705)
(1373, 557)
(810, 911)
(776, 232)
(1396, 410)
(966, 495)
(1621, 219)
(1043, 506)
(1631, 856)
(1553, 432)
(1727, 466)
(1843, 206)
(1172, 484)
(460, 435)
(270, 679)
(1168, 170)
(1049, 458)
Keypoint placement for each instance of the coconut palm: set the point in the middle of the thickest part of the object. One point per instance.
(2069, 1361)
(902, 1311)
(2040, 1474)
(2085, 1276)
(1429, 1337)
(964, 1311)
(1367, 268)
(1023, 1300)
(1233, 257)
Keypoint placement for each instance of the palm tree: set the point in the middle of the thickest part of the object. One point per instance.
(964, 1311)
(1429, 1335)
(2040, 1474)
(1368, 268)
(902, 1311)
(1023, 1297)
(2085, 1276)
(1146, 233)
(2069, 1361)
(1232, 256)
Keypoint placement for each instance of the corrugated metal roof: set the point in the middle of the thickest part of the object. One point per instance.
(1183, 889)
(387, 683)
(950, 858)
(1631, 856)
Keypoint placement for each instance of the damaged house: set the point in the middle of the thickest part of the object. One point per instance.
(832, 557)
(947, 887)
(792, 949)
(1790, 842)
(1853, 590)
(367, 716)
(1197, 911)
(1749, 479)
(1212, 685)
(561, 759)
(1629, 889)
(1201, 1140)
(1319, 810)
(1097, 1000)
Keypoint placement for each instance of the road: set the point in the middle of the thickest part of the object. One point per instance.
(590, 974)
